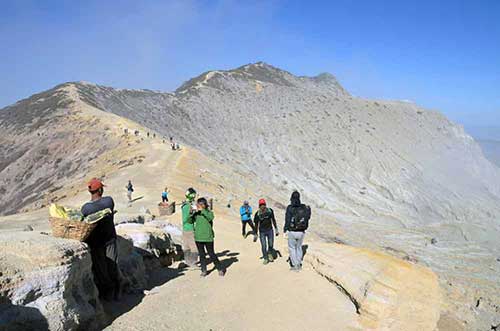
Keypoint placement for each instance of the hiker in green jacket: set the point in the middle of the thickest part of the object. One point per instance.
(189, 246)
(202, 219)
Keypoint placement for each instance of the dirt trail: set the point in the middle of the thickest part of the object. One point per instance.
(252, 296)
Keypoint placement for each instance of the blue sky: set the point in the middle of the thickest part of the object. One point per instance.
(444, 55)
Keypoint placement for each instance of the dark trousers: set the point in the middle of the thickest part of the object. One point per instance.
(244, 225)
(105, 268)
(203, 249)
(164, 199)
(267, 242)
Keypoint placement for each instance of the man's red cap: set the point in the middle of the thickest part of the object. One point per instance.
(95, 184)
(262, 202)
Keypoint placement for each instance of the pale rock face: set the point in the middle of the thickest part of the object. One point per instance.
(389, 294)
(153, 244)
(51, 279)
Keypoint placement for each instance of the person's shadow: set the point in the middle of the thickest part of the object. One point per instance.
(227, 259)
(156, 278)
(21, 318)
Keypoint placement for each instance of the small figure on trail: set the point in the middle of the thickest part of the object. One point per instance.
(130, 190)
(246, 218)
(189, 246)
(147, 134)
(154, 135)
(164, 195)
(296, 223)
(177, 146)
(171, 139)
(202, 218)
(264, 223)
(102, 243)
(173, 146)
(136, 132)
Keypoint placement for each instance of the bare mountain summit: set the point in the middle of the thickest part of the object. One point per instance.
(385, 174)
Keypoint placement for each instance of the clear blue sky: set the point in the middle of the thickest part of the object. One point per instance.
(444, 55)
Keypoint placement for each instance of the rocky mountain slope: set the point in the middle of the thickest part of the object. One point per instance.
(384, 174)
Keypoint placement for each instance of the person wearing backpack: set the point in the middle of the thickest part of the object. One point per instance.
(296, 223)
(264, 222)
(130, 190)
(246, 218)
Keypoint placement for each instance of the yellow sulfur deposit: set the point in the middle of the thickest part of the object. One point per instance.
(58, 211)
(72, 214)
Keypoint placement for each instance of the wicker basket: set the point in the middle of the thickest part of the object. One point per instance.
(166, 210)
(68, 229)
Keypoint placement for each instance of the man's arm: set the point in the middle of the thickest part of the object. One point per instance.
(288, 218)
(256, 221)
(273, 219)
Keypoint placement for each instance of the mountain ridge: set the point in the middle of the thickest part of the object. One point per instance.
(384, 174)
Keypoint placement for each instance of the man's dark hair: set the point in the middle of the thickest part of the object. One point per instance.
(203, 201)
(99, 190)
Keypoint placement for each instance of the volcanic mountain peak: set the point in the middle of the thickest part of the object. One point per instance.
(259, 73)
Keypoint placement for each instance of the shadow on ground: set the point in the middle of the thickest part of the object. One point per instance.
(156, 278)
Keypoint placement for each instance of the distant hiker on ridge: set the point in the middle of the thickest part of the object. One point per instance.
(202, 218)
(102, 243)
(246, 218)
(264, 223)
(189, 246)
(164, 195)
(296, 223)
(130, 190)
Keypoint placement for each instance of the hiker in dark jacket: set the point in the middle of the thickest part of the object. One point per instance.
(102, 243)
(296, 223)
(204, 235)
(130, 190)
(264, 221)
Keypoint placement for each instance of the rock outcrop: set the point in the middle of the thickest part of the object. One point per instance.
(388, 293)
(46, 283)
(153, 244)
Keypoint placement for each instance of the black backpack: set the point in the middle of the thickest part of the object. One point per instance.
(300, 218)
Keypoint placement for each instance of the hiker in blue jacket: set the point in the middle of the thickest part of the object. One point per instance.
(246, 218)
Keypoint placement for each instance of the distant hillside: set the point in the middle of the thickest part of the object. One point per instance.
(491, 150)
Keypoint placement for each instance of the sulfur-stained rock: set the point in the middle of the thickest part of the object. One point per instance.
(46, 283)
(389, 293)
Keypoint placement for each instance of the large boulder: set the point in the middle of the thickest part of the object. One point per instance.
(131, 265)
(46, 283)
(155, 245)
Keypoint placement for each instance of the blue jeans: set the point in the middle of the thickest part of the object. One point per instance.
(267, 242)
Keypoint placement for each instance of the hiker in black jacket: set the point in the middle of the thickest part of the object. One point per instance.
(264, 222)
(296, 223)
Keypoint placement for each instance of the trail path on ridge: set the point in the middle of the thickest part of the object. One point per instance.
(251, 296)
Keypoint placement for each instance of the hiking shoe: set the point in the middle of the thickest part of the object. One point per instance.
(266, 261)
(222, 272)
(244, 236)
(204, 274)
(270, 257)
(254, 238)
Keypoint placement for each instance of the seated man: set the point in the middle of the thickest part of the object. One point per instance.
(102, 243)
